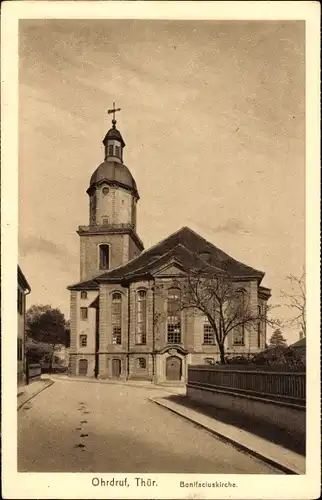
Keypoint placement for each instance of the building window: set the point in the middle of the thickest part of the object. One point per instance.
(208, 333)
(173, 316)
(84, 313)
(110, 150)
(239, 336)
(116, 318)
(104, 256)
(20, 301)
(117, 151)
(142, 363)
(209, 361)
(19, 350)
(141, 317)
(258, 334)
(239, 333)
(83, 340)
(83, 295)
(105, 221)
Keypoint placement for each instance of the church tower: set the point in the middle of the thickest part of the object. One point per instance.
(110, 239)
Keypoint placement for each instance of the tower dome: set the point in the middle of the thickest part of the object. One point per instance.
(115, 173)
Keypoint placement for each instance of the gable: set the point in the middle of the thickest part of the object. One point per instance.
(171, 269)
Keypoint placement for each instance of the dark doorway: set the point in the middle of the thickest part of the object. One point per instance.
(82, 367)
(116, 368)
(173, 368)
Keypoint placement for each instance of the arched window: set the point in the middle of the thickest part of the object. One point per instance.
(174, 316)
(141, 317)
(239, 332)
(83, 295)
(117, 318)
(240, 296)
(104, 256)
(208, 332)
(142, 363)
(259, 328)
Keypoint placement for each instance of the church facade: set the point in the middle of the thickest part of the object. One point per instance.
(123, 316)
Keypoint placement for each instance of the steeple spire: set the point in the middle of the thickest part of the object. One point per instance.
(114, 110)
(113, 141)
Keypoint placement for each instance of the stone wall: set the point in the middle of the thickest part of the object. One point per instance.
(81, 327)
(289, 417)
(89, 252)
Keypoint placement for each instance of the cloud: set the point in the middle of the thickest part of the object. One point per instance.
(36, 244)
(231, 226)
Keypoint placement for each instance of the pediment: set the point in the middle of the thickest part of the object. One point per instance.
(170, 269)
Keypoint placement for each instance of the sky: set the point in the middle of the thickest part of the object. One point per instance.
(213, 119)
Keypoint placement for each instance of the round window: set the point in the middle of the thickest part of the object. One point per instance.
(105, 190)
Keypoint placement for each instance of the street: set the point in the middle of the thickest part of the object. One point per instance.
(95, 427)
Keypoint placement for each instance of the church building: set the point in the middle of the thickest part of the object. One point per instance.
(124, 316)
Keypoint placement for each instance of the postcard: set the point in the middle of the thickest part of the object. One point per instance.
(160, 222)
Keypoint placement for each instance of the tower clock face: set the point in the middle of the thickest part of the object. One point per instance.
(105, 190)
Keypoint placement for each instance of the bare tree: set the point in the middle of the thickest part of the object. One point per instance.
(219, 298)
(296, 302)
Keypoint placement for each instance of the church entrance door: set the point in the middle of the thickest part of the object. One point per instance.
(173, 368)
(116, 368)
(82, 367)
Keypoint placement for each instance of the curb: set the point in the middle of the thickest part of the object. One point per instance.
(229, 440)
(124, 384)
(51, 382)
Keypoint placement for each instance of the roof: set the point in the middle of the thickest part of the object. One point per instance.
(299, 343)
(189, 248)
(22, 280)
(84, 285)
(264, 293)
(113, 133)
(113, 171)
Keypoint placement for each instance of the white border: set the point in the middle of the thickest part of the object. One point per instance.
(31, 485)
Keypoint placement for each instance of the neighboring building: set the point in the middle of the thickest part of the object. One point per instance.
(23, 290)
(300, 348)
(125, 320)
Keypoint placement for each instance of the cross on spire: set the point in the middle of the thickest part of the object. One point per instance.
(114, 110)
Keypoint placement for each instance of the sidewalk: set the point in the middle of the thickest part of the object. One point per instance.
(27, 392)
(144, 384)
(286, 460)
